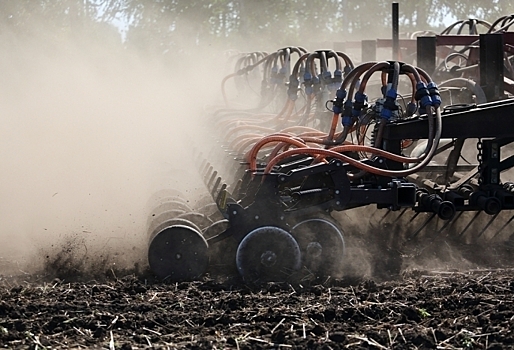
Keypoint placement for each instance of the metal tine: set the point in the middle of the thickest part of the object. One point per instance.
(414, 235)
(487, 226)
(501, 229)
(414, 216)
(443, 227)
(213, 176)
(203, 166)
(401, 214)
(385, 215)
(207, 173)
(217, 196)
(215, 187)
(450, 223)
(469, 223)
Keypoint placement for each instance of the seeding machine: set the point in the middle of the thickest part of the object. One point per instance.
(423, 149)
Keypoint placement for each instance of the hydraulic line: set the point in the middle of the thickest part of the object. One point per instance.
(252, 154)
(432, 108)
(360, 165)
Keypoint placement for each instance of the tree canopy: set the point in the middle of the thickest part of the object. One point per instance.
(161, 26)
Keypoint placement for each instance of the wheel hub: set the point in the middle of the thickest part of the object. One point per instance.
(268, 258)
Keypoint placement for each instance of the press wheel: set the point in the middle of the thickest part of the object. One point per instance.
(178, 253)
(322, 245)
(268, 254)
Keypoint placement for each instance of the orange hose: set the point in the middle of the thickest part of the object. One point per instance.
(252, 154)
(247, 127)
(330, 153)
(286, 111)
(346, 148)
(333, 127)
(241, 138)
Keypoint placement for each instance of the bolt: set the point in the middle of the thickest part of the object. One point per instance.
(337, 191)
(338, 203)
(256, 217)
(234, 212)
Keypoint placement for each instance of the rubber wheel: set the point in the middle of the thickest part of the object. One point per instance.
(322, 245)
(178, 253)
(268, 254)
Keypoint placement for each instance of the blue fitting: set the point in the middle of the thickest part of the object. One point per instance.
(347, 70)
(347, 108)
(423, 95)
(389, 104)
(338, 76)
(360, 97)
(392, 93)
(346, 120)
(327, 77)
(338, 101)
(307, 77)
(386, 113)
(358, 103)
(434, 94)
(307, 81)
(341, 94)
(292, 90)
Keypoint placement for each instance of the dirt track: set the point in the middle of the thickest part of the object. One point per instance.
(418, 310)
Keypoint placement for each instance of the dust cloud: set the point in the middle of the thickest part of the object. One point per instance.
(89, 131)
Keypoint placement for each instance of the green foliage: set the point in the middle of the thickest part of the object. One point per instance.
(161, 26)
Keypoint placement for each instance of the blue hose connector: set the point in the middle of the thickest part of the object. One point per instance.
(434, 94)
(423, 97)
(338, 101)
(359, 103)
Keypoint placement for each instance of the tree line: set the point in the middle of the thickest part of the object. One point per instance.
(162, 26)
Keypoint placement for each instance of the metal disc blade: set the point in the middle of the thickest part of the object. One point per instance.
(268, 254)
(179, 253)
(322, 245)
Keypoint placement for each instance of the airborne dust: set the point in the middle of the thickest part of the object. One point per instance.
(89, 132)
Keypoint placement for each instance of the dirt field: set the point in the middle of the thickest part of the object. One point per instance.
(420, 309)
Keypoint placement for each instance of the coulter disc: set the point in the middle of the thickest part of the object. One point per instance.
(322, 246)
(268, 254)
(178, 253)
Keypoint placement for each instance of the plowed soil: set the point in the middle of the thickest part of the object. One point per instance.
(419, 309)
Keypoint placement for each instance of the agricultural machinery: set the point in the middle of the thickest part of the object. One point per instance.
(407, 150)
